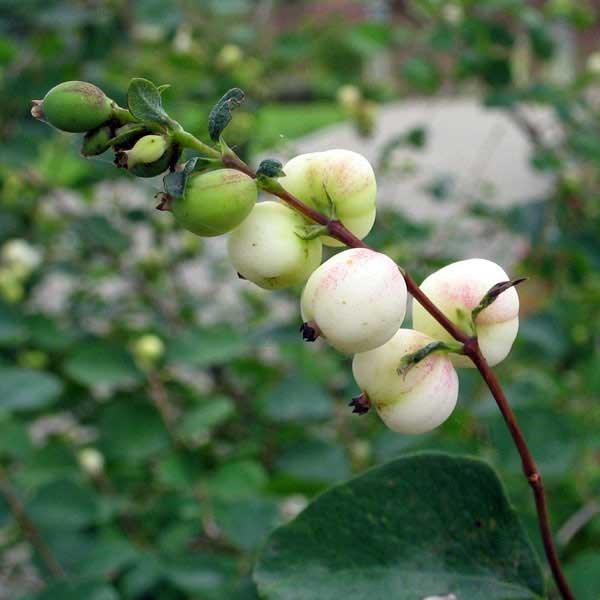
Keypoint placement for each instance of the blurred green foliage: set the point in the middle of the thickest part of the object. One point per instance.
(162, 478)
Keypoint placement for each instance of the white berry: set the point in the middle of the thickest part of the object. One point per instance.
(267, 250)
(417, 401)
(346, 177)
(357, 300)
(456, 290)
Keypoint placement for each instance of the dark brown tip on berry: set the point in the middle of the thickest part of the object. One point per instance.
(310, 331)
(240, 276)
(360, 404)
(165, 202)
(37, 110)
(121, 159)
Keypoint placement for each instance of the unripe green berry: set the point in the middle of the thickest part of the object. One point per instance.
(215, 202)
(456, 290)
(416, 401)
(341, 177)
(266, 249)
(356, 300)
(74, 106)
(148, 349)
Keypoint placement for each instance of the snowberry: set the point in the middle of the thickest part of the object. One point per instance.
(414, 402)
(74, 106)
(344, 177)
(356, 300)
(267, 250)
(148, 349)
(457, 289)
(91, 461)
(215, 202)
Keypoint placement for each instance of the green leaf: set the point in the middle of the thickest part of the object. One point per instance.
(63, 504)
(11, 325)
(297, 398)
(199, 421)
(175, 182)
(221, 113)
(422, 74)
(238, 479)
(205, 347)
(144, 102)
(27, 389)
(314, 461)
(76, 590)
(426, 525)
(101, 363)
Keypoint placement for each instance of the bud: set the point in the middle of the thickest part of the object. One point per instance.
(456, 290)
(33, 359)
(74, 106)
(150, 156)
(148, 350)
(266, 249)
(91, 461)
(416, 402)
(357, 300)
(215, 202)
(97, 141)
(339, 183)
(11, 286)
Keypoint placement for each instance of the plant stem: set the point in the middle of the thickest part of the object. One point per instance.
(28, 527)
(471, 349)
(187, 140)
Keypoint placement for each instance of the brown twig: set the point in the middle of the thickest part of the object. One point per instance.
(28, 526)
(471, 349)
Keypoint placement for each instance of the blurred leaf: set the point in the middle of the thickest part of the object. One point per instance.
(133, 431)
(107, 557)
(205, 347)
(26, 389)
(246, 523)
(74, 590)
(297, 398)
(436, 525)
(199, 421)
(584, 575)
(63, 504)
(238, 479)
(422, 74)
(12, 328)
(314, 461)
(205, 574)
(101, 363)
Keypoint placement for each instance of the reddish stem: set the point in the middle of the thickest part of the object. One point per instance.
(471, 349)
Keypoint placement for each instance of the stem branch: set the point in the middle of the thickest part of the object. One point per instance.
(28, 526)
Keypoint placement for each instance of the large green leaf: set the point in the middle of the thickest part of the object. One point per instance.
(424, 525)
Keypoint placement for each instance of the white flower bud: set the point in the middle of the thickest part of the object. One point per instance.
(357, 300)
(417, 401)
(456, 290)
(91, 461)
(20, 257)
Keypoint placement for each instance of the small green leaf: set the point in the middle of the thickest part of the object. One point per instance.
(493, 293)
(175, 182)
(145, 104)
(424, 525)
(270, 168)
(220, 115)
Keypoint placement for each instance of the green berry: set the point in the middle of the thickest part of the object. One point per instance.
(215, 202)
(150, 156)
(74, 106)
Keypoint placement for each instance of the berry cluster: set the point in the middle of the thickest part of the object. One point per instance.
(357, 299)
